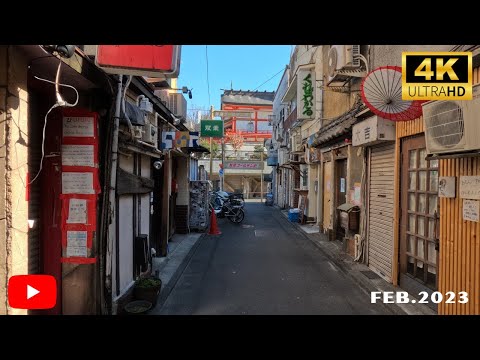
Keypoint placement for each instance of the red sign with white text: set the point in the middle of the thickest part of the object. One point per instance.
(139, 60)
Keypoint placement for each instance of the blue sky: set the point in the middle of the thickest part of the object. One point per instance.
(246, 66)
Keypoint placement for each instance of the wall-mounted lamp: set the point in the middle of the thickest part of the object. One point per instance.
(185, 90)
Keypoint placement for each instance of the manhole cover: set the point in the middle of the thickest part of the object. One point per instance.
(370, 274)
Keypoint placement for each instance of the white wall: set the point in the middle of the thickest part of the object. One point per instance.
(381, 55)
(125, 229)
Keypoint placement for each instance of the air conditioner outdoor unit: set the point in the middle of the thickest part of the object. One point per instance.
(452, 126)
(178, 105)
(150, 134)
(341, 59)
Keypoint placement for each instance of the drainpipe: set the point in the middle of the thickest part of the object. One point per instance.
(113, 181)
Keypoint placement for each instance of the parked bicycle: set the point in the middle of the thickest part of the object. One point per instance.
(229, 207)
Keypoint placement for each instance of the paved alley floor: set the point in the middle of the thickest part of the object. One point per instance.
(263, 266)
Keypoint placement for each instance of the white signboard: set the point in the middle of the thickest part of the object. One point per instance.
(79, 251)
(446, 186)
(227, 114)
(78, 126)
(306, 94)
(471, 209)
(470, 187)
(77, 183)
(372, 131)
(77, 211)
(78, 155)
(76, 243)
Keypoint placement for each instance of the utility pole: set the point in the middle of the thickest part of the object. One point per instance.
(211, 155)
(222, 183)
(261, 177)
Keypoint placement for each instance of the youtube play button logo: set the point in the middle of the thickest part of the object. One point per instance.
(32, 291)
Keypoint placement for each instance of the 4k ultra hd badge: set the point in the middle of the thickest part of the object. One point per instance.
(437, 75)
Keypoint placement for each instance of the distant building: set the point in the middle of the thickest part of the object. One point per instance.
(256, 127)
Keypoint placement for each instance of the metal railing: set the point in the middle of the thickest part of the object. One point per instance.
(291, 119)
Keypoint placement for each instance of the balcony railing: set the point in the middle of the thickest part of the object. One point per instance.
(291, 119)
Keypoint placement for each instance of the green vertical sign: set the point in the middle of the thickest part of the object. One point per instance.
(211, 128)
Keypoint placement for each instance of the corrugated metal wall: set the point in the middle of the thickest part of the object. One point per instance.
(459, 263)
(459, 240)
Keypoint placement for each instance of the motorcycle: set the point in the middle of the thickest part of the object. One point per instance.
(235, 198)
(229, 208)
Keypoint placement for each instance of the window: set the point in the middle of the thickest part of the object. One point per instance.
(304, 175)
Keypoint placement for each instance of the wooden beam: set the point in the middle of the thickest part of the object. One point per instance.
(396, 210)
(133, 184)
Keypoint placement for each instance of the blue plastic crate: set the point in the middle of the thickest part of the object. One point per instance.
(292, 216)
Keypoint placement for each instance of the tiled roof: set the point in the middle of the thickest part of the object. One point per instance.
(339, 126)
(248, 97)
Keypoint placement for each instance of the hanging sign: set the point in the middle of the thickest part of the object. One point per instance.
(139, 60)
(305, 94)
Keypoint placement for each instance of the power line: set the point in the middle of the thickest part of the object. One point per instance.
(269, 79)
(208, 81)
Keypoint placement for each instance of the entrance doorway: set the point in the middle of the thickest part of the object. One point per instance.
(340, 193)
(419, 215)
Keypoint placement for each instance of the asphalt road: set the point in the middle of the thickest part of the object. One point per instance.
(264, 266)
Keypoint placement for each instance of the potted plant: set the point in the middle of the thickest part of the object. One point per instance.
(147, 289)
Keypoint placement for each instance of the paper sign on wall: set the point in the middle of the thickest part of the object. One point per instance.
(77, 211)
(471, 209)
(78, 155)
(77, 243)
(470, 187)
(446, 186)
(342, 185)
(77, 183)
(79, 126)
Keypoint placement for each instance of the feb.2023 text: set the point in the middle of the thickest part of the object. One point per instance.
(402, 297)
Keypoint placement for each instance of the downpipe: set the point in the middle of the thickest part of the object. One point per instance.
(111, 235)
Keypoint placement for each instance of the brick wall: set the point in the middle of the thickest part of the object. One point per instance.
(181, 219)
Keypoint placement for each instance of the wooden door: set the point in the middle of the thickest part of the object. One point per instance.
(327, 195)
(419, 209)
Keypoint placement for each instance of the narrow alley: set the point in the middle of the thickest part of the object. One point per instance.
(263, 266)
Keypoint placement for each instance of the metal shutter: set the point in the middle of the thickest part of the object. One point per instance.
(380, 210)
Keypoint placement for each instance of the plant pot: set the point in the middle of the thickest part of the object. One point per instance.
(149, 293)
